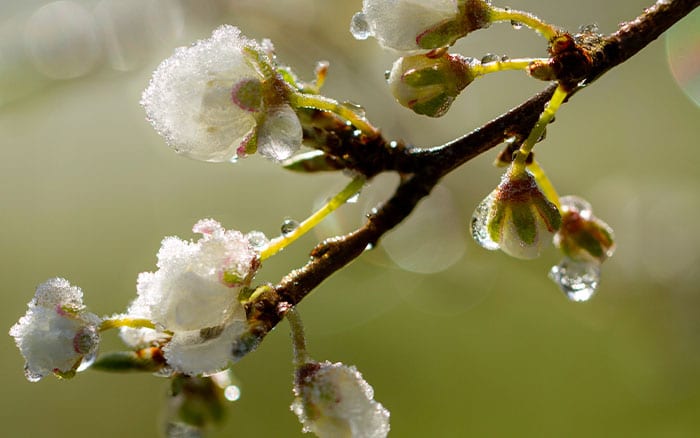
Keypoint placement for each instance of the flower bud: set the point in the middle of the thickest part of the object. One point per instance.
(428, 85)
(582, 236)
(56, 335)
(411, 25)
(333, 400)
(517, 217)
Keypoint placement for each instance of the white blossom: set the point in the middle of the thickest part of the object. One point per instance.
(194, 297)
(56, 335)
(333, 400)
(208, 100)
(397, 24)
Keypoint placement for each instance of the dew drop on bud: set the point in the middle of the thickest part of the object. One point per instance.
(87, 361)
(257, 239)
(505, 58)
(232, 393)
(516, 24)
(589, 28)
(490, 57)
(359, 27)
(479, 224)
(578, 280)
(577, 205)
(288, 226)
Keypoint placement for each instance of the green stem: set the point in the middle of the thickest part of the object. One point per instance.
(341, 198)
(301, 356)
(108, 324)
(529, 20)
(545, 184)
(545, 117)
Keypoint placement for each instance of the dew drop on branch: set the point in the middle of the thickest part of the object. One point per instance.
(490, 57)
(578, 280)
(516, 24)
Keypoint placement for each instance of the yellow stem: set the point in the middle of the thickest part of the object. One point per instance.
(545, 117)
(278, 244)
(545, 184)
(108, 324)
(529, 20)
(323, 103)
(510, 64)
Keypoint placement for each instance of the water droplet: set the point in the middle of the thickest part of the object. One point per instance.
(288, 226)
(280, 134)
(359, 110)
(387, 75)
(356, 133)
(232, 393)
(393, 144)
(589, 28)
(578, 205)
(516, 24)
(479, 224)
(490, 57)
(31, 375)
(369, 247)
(359, 27)
(353, 199)
(505, 58)
(257, 239)
(578, 280)
(87, 361)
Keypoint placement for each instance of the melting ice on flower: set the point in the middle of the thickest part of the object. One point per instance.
(333, 400)
(56, 335)
(517, 217)
(411, 25)
(194, 296)
(212, 101)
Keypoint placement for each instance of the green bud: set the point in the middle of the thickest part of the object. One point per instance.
(582, 236)
(428, 84)
(517, 217)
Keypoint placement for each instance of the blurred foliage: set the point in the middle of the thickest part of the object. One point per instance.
(486, 347)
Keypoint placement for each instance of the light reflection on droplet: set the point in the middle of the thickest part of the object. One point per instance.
(479, 225)
(359, 27)
(683, 51)
(578, 280)
(62, 41)
(232, 393)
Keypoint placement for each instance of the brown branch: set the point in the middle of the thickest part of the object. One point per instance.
(422, 169)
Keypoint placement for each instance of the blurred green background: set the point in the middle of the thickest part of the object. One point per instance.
(456, 341)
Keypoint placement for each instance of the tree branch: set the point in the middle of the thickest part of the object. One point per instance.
(422, 169)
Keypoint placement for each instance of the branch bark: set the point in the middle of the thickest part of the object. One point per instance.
(422, 169)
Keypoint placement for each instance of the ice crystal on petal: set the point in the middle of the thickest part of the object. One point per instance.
(56, 335)
(397, 24)
(202, 98)
(333, 400)
(280, 134)
(194, 292)
(205, 351)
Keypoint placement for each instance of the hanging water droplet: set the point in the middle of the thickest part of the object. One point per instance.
(387, 75)
(359, 27)
(87, 361)
(490, 57)
(31, 375)
(288, 226)
(516, 24)
(479, 224)
(578, 280)
(232, 393)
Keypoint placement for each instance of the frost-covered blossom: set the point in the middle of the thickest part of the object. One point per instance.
(517, 217)
(56, 335)
(333, 400)
(214, 101)
(194, 296)
(411, 25)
